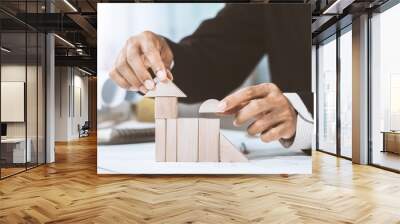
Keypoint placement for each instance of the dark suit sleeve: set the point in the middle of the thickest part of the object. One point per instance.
(220, 54)
(224, 50)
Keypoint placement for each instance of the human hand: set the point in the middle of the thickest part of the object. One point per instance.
(141, 52)
(274, 116)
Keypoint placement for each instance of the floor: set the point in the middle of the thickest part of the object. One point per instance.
(70, 191)
(10, 171)
(387, 159)
(5, 172)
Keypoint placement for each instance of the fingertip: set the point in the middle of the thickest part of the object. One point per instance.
(133, 89)
(222, 106)
(143, 89)
(250, 133)
(225, 113)
(149, 84)
(169, 74)
(162, 75)
(112, 72)
(265, 138)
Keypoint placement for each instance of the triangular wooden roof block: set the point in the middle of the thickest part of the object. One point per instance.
(228, 152)
(167, 88)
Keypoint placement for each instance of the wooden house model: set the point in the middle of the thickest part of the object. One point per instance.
(188, 139)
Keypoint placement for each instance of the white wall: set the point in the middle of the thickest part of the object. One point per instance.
(34, 124)
(61, 103)
(70, 83)
(16, 73)
(82, 82)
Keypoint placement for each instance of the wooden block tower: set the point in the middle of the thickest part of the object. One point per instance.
(188, 139)
(166, 113)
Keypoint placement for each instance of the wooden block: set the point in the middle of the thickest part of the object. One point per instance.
(209, 140)
(167, 88)
(166, 107)
(170, 148)
(228, 152)
(160, 139)
(187, 139)
(209, 106)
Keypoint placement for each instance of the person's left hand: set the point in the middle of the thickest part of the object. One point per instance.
(274, 116)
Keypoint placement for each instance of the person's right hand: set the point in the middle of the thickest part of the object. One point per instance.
(140, 53)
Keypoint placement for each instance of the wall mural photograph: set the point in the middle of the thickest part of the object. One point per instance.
(173, 93)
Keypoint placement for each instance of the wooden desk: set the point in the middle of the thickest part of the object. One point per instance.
(391, 141)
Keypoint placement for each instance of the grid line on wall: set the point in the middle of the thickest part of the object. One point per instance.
(338, 98)
(369, 77)
(26, 86)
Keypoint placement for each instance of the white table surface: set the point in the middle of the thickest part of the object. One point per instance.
(264, 158)
(13, 140)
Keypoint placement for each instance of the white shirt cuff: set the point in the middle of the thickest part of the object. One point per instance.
(304, 126)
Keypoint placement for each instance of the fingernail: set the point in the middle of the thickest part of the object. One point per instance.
(143, 89)
(170, 77)
(235, 123)
(162, 74)
(221, 106)
(149, 84)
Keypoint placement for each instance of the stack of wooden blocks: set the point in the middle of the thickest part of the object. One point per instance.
(187, 139)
